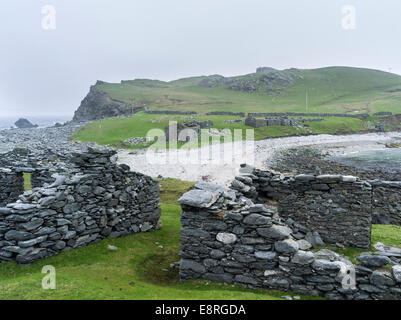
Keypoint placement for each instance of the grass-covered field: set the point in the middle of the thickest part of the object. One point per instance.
(140, 268)
(115, 130)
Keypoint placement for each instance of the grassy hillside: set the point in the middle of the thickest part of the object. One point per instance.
(329, 90)
(332, 89)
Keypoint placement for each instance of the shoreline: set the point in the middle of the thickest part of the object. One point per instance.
(264, 152)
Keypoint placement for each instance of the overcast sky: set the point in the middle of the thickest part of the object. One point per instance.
(49, 71)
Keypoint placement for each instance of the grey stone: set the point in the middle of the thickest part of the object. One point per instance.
(304, 245)
(224, 277)
(60, 245)
(192, 265)
(327, 254)
(303, 257)
(314, 239)
(246, 279)
(23, 206)
(305, 177)
(397, 272)
(31, 255)
(226, 238)
(275, 232)
(265, 255)
(373, 261)
(32, 242)
(198, 198)
(381, 278)
(256, 219)
(324, 265)
(18, 235)
(33, 224)
(286, 246)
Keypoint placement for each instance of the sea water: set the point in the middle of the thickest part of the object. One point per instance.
(41, 121)
(389, 159)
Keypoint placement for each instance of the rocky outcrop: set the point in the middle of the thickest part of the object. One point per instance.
(265, 80)
(24, 124)
(98, 105)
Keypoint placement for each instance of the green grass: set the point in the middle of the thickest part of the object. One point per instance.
(134, 271)
(114, 131)
(387, 234)
(27, 181)
(172, 189)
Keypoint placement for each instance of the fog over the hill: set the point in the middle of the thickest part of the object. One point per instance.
(49, 71)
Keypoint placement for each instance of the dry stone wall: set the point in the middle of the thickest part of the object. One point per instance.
(171, 112)
(226, 237)
(386, 202)
(306, 114)
(92, 200)
(338, 207)
(11, 185)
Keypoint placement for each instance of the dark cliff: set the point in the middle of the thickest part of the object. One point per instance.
(98, 105)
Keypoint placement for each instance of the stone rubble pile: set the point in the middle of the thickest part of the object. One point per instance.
(45, 144)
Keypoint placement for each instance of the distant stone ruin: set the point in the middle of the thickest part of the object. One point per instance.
(90, 199)
(175, 112)
(226, 113)
(187, 131)
(306, 114)
(278, 121)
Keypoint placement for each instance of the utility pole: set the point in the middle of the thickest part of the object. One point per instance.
(306, 98)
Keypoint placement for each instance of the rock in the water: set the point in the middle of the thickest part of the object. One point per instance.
(24, 124)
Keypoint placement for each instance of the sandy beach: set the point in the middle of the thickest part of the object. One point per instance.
(223, 170)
